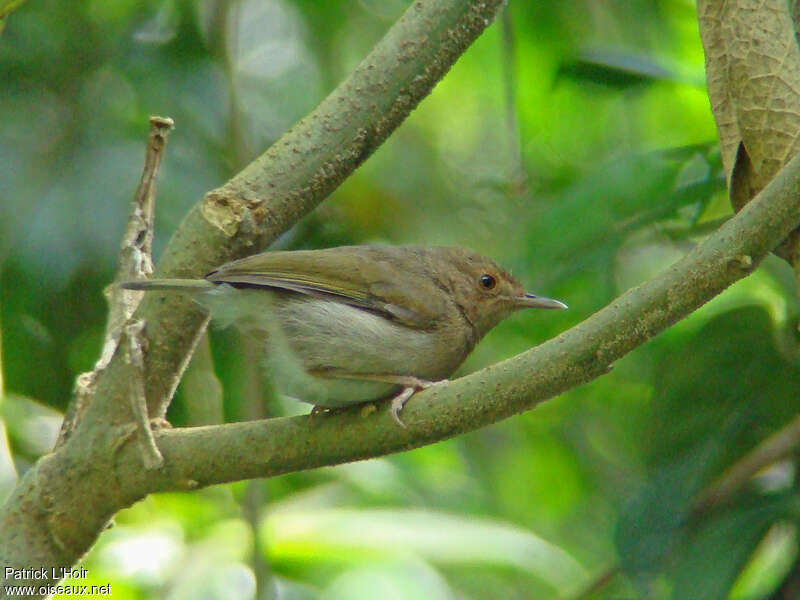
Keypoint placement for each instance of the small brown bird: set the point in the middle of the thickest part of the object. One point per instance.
(358, 323)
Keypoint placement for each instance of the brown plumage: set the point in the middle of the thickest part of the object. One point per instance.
(359, 323)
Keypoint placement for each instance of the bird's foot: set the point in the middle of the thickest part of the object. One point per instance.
(399, 401)
(413, 385)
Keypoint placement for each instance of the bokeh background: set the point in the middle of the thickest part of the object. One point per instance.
(573, 142)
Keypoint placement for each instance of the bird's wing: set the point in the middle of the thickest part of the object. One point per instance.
(335, 275)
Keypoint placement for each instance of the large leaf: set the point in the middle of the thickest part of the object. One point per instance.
(336, 534)
(718, 549)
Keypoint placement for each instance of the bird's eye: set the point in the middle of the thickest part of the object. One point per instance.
(487, 281)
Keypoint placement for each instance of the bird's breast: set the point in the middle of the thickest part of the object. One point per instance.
(305, 334)
(329, 335)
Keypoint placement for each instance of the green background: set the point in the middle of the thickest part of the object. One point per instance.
(576, 147)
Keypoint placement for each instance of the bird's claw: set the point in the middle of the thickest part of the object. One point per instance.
(399, 401)
(411, 385)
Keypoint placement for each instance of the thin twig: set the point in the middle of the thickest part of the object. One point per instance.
(201, 389)
(598, 583)
(777, 446)
(252, 508)
(136, 252)
(151, 457)
(258, 401)
(135, 262)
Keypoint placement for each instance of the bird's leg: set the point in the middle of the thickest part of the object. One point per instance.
(399, 401)
(411, 385)
(404, 380)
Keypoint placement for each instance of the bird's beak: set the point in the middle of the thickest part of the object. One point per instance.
(531, 301)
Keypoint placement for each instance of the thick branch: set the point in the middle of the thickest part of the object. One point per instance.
(65, 500)
(208, 455)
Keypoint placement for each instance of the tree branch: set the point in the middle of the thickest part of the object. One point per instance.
(776, 447)
(57, 510)
(216, 454)
(135, 262)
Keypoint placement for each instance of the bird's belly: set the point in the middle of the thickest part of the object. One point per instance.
(312, 345)
(332, 392)
(333, 335)
(334, 340)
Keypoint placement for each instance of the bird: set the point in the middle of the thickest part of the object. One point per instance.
(354, 324)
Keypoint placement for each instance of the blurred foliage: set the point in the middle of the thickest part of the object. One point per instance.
(621, 176)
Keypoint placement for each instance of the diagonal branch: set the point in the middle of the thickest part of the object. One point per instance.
(135, 262)
(215, 454)
(64, 501)
(776, 447)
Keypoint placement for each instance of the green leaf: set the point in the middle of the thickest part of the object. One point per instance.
(717, 551)
(649, 527)
(616, 68)
(653, 525)
(406, 580)
(769, 565)
(335, 534)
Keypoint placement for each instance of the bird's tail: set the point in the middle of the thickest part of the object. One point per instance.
(178, 285)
